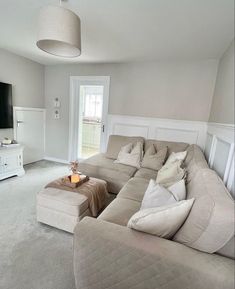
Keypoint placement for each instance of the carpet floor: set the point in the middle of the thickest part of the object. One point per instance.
(32, 255)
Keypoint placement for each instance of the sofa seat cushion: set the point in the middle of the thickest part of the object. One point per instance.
(147, 174)
(101, 167)
(120, 211)
(134, 189)
(210, 224)
(116, 142)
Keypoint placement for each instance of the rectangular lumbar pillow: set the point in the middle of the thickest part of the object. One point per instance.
(175, 157)
(130, 156)
(156, 195)
(162, 221)
(170, 173)
(154, 159)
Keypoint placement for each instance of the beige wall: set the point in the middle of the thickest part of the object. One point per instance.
(222, 108)
(176, 90)
(27, 79)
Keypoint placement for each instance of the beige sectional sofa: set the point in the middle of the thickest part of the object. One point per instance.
(108, 255)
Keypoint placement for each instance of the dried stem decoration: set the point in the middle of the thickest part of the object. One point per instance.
(74, 167)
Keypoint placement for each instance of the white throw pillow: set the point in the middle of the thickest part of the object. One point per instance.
(157, 196)
(161, 221)
(175, 157)
(170, 173)
(130, 156)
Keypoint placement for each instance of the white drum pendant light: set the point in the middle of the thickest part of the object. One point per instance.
(59, 32)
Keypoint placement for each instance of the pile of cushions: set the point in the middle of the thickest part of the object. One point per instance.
(164, 208)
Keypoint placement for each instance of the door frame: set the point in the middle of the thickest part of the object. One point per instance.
(20, 108)
(75, 81)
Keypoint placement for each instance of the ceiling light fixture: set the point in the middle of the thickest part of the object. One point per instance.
(59, 31)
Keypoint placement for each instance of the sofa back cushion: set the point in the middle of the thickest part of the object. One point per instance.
(172, 146)
(195, 161)
(116, 142)
(210, 224)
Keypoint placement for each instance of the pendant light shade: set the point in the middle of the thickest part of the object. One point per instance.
(59, 32)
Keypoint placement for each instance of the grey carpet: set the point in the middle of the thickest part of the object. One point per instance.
(32, 255)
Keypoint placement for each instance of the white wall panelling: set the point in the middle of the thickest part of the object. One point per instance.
(219, 150)
(193, 132)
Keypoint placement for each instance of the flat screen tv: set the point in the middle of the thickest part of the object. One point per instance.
(6, 108)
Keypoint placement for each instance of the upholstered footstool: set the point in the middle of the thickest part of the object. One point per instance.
(63, 209)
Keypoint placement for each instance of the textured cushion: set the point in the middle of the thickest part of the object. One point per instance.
(228, 250)
(134, 189)
(175, 157)
(172, 146)
(146, 174)
(130, 155)
(156, 195)
(170, 174)
(63, 201)
(194, 161)
(101, 167)
(115, 257)
(210, 224)
(154, 159)
(116, 142)
(120, 211)
(161, 221)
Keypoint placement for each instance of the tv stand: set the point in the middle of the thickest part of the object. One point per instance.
(11, 161)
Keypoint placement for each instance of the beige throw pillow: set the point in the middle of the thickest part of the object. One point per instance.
(157, 196)
(175, 157)
(170, 174)
(162, 221)
(130, 156)
(154, 159)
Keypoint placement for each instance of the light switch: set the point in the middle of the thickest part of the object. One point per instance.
(56, 102)
(56, 114)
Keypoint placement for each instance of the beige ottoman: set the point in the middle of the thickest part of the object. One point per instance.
(61, 209)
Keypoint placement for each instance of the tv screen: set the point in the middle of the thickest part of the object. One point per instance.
(6, 108)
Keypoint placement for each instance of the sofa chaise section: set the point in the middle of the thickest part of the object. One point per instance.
(111, 256)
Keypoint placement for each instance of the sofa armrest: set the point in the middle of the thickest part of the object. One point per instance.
(109, 256)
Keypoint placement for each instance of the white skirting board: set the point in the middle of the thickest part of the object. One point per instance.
(193, 132)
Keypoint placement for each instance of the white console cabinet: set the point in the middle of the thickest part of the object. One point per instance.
(11, 162)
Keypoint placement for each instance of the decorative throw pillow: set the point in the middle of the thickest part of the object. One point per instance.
(154, 159)
(162, 221)
(130, 156)
(170, 174)
(175, 157)
(157, 196)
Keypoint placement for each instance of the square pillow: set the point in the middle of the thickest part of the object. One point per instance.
(175, 157)
(170, 174)
(156, 195)
(154, 159)
(162, 221)
(130, 156)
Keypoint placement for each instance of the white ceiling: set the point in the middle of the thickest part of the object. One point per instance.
(127, 30)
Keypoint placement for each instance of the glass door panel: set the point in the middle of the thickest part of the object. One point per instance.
(90, 119)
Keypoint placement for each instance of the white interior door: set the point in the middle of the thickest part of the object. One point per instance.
(29, 130)
(88, 115)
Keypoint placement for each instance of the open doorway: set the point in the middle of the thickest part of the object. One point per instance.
(88, 115)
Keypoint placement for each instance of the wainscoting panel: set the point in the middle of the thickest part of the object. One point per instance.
(193, 132)
(219, 150)
(180, 135)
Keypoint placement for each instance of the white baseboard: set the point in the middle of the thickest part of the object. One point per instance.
(56, 160)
